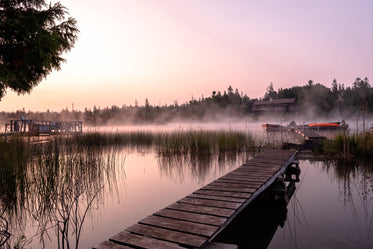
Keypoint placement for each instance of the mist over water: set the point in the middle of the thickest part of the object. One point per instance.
(139, 182)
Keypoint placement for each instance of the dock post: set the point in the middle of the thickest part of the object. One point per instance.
(292, 172)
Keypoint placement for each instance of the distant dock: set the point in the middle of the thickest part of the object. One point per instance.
(194, 221)
(29, 127)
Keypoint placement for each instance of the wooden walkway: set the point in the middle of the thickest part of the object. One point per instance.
(308, 134)
(195, 220)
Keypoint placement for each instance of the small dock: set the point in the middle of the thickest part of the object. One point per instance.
(197, 219)
(27, 127)
(308, 134)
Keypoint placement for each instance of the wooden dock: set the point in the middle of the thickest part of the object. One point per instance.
(197, 219)
(308, 134)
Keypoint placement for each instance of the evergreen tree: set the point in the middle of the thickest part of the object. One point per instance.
(33, 36)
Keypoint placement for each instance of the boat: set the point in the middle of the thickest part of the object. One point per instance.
(312, 126)
(328, 125)
(272, 127)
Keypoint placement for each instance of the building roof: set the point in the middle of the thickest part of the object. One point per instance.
(275, 101)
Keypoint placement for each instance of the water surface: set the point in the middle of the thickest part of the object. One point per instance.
(331, 208)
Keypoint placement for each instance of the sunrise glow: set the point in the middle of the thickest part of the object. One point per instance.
(173, 50)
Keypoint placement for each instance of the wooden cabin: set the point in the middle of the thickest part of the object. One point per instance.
(275, 105)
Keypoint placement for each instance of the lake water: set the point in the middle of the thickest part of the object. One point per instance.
(331, 208)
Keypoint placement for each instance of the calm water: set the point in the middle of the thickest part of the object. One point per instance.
(331, 208)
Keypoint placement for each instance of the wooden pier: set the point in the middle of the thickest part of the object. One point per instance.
(308, 134)
(197, 219)
(27, 127)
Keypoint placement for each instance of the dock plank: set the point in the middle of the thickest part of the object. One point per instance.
(256, 175)
(190, 240)
(222, 212)
(111, 245)
(180, 225)
(230, 189)
(220, 198)
(127, 238)
(222, 193)
(248, 181)
(210, 203)
(243, 178)
(234, 184)
(248, 175)
(198, 218)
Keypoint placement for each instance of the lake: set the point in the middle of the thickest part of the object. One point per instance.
(332, 206)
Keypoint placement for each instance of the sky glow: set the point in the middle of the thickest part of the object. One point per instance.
(167, 50)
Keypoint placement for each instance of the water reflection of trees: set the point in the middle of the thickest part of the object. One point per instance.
(200, 166)
(355, 180)
(52, 185)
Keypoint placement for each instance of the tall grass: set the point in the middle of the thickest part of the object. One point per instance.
(173, 143)
(57, 182)
(351, 146)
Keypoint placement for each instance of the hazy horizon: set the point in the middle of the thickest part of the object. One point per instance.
(173, 50)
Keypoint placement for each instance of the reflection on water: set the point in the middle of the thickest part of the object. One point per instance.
(201, 167)
(332, 208)
(355, 181)
(69, 195)
(49, 194)
(255, 226)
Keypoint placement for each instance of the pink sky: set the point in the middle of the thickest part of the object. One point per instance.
(167, 50)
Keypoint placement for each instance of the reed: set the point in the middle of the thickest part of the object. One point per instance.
(56, 182)
(350, 146)
(204, 142)
(171, 143)
(15, 153)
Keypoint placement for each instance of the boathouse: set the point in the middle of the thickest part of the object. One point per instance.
(274, 105)
(33, 127)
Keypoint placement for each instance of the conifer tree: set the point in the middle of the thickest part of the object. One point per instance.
(33, 36)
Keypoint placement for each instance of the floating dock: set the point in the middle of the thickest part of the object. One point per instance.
(29, 127)
(194, 221)
(308, 134)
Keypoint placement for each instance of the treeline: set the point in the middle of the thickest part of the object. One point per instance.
(323, 100)
(315, 99)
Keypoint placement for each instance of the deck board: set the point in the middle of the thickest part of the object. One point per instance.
(223, 212)
(211, 203)
(179, 225)
(167, 235)
(222, 193)
(227, 188)
(234, 185)
(111, 245)
(127, 238)
(220, 198)
(197, 218)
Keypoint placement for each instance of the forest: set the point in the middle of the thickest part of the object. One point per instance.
(312, 100)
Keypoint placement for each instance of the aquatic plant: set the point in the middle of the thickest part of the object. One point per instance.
(349, 146)
(54, 182)
(58, 180)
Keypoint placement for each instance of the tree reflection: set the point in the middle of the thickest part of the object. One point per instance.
(199, 166)
(355, 180)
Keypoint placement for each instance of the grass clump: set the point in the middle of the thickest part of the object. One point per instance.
(204, 142)
(350, 146)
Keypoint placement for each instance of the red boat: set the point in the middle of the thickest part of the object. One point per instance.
(272, 127)
(330, 125)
